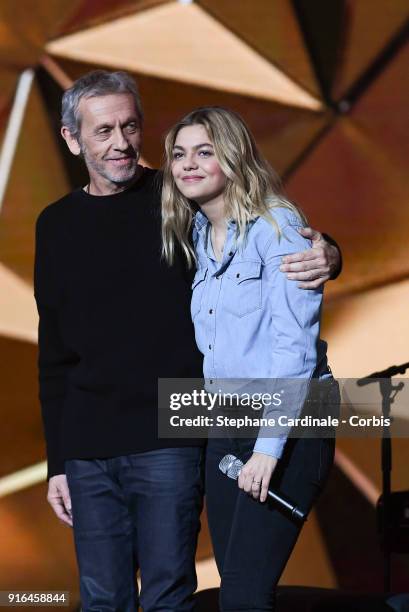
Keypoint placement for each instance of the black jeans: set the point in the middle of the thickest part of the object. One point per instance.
(253, 541)
(143, 511)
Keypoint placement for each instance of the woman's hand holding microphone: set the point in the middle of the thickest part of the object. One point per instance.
(255, 475)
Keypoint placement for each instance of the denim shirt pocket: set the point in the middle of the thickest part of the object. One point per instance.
(242, 289)
(198, 286)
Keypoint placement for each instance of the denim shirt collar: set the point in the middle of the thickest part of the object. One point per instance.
(200, 221)
(201, 234)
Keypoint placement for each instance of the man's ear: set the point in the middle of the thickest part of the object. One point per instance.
(72, 142)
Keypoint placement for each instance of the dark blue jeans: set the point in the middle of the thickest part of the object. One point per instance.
(137, 511)
(253, 541)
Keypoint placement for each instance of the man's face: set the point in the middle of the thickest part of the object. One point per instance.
(110, 138)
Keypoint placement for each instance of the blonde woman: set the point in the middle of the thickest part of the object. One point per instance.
(250, 322)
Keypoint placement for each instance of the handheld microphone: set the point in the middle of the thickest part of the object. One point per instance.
(231, 466)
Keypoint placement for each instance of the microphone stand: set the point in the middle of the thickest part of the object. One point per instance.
(388, 392)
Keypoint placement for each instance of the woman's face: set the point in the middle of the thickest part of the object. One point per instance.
(195, 169)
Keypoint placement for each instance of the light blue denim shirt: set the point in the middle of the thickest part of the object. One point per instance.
(250, 320)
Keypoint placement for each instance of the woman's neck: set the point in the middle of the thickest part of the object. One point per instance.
(214, 211)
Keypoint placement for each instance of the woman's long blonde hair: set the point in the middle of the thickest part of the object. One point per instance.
(252, 186)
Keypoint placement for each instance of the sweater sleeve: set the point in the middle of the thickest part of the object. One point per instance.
(333, 242)
(54, 359)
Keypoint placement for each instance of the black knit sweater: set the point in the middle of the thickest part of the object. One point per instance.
(114, 318)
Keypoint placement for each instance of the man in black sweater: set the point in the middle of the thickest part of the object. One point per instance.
(113, 319)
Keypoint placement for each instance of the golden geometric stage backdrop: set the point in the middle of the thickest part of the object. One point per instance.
(324, 87)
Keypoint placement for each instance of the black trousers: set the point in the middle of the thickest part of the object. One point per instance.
(253, 541)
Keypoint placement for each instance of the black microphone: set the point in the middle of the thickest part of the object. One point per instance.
(231, 466)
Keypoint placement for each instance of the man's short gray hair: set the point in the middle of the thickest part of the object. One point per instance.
(96, 83)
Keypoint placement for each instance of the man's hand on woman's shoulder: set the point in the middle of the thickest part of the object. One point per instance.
(313, 267)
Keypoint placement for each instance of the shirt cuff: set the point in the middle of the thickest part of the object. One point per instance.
(270, 446)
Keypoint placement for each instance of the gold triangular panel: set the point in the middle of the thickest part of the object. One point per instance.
(350, 188)
(18, 313)
(145, 43)
(273, 30)
(367, 456)
(19, 408)
(25, 27)
(310, 545)
(37, 178)
(365, 157)
(40, 551)
(204, 545)
(368, 29)
(90, 14)
(383, 111)
(375, 324)
(8, 80)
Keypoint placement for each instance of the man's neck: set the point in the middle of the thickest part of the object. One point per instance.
(105, 188)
